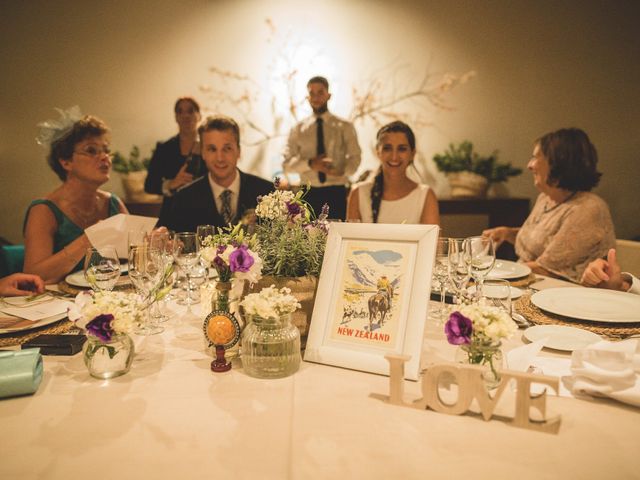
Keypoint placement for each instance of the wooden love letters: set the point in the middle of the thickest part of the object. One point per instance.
(471, 385)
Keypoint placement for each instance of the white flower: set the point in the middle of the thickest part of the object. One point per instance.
(491, 322)
(255, 271)
(208, 253)
(274, 205)
(270, 302)
(126, 309)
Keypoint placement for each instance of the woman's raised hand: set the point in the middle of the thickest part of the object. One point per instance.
(500, 235)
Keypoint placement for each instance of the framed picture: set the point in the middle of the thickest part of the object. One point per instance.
(372, 296)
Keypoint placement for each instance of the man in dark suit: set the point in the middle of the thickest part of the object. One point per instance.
(225, 194)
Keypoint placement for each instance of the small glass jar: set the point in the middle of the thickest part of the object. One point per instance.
(108, 359)
(488, 354)
(270, 347)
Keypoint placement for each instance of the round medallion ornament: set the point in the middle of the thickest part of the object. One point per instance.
(222, 331)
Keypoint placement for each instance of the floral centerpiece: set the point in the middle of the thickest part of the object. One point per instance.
(270, 343)
(291, 242)
(107, 318)
(478, 330)
(233, 255)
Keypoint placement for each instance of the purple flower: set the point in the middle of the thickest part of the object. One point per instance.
(325, 211)
(276, 182)
(458, 329)
(101, 327)
(240, 259)
(294, 209)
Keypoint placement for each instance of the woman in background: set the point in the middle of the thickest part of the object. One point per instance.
(55, 242)
(569, 226)
(177, 162)
(393, 197)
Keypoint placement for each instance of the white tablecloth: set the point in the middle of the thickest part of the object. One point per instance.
(171, 417)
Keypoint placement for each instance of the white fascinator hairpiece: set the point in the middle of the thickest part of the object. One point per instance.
(52, 130)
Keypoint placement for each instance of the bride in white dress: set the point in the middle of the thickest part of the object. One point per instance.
(392, 197)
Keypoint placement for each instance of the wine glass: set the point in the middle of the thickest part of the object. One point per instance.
(480, 255)
(137, 238)
(441, 274)
(203, 231)
(458, 267)
(162, 243)
(146, 271)
(101, 268)
(185, 252)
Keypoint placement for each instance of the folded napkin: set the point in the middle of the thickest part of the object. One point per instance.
(113, 231)
(607, 369)
(20, 372)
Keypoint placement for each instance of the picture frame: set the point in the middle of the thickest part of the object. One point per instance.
(353, 324)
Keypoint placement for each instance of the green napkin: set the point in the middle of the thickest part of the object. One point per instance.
(20, 372)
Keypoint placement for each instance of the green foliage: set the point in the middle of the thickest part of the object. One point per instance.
(462, 158)
(290, 249)
(122, 164)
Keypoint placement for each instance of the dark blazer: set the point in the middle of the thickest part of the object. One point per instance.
(194, 205)
(166, 161)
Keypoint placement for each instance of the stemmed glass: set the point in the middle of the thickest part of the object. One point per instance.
(480, 254)
(162, 243)
(458, 268)
(441, 274)
(101, 268)
(203, 231)
(146, 270)
(185, 252)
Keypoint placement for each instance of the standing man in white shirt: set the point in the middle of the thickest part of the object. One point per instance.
(324, 150)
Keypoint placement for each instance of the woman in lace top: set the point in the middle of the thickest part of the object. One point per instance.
(569, 226)
(393, 197)
(55, 242)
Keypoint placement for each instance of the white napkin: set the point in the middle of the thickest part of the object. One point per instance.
(607, 369)
(39, 310)
(113, 231)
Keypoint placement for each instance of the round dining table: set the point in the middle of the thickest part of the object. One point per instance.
(172, 417)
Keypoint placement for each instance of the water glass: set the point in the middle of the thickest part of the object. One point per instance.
(458, 268)
(185, 251)
(480, 255)
(101, 268)
(441, 275)
(146, 271)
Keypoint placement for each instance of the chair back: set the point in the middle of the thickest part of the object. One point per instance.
(11, 259)
(628, 256)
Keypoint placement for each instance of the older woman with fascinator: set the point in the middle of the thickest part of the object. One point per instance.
(569, 226)
(393, 197)
(79, 153)
(177, 162)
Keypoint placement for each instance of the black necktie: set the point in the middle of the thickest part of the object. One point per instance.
(320, 146)
(226, 206)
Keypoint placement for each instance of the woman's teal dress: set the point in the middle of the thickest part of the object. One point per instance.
(68, 231)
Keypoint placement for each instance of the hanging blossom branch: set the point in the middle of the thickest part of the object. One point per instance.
(380, 98)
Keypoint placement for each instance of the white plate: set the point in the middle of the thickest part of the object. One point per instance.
(76, 279)
(507, 270)
(593, 304)
(487, 291)
(30, 325)
(559, 337)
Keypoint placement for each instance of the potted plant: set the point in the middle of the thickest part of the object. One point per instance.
(291, 244)
(133, 173)
(470, 174)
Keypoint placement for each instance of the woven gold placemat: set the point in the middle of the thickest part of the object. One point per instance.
(524, 282)
(616, 331)
(124, 286)
(18, 338)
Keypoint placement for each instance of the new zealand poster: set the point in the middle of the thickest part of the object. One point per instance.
(373, 289)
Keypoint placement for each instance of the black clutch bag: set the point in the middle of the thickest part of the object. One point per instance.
(57, 344)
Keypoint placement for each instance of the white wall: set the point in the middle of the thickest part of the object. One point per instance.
(540, 66)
